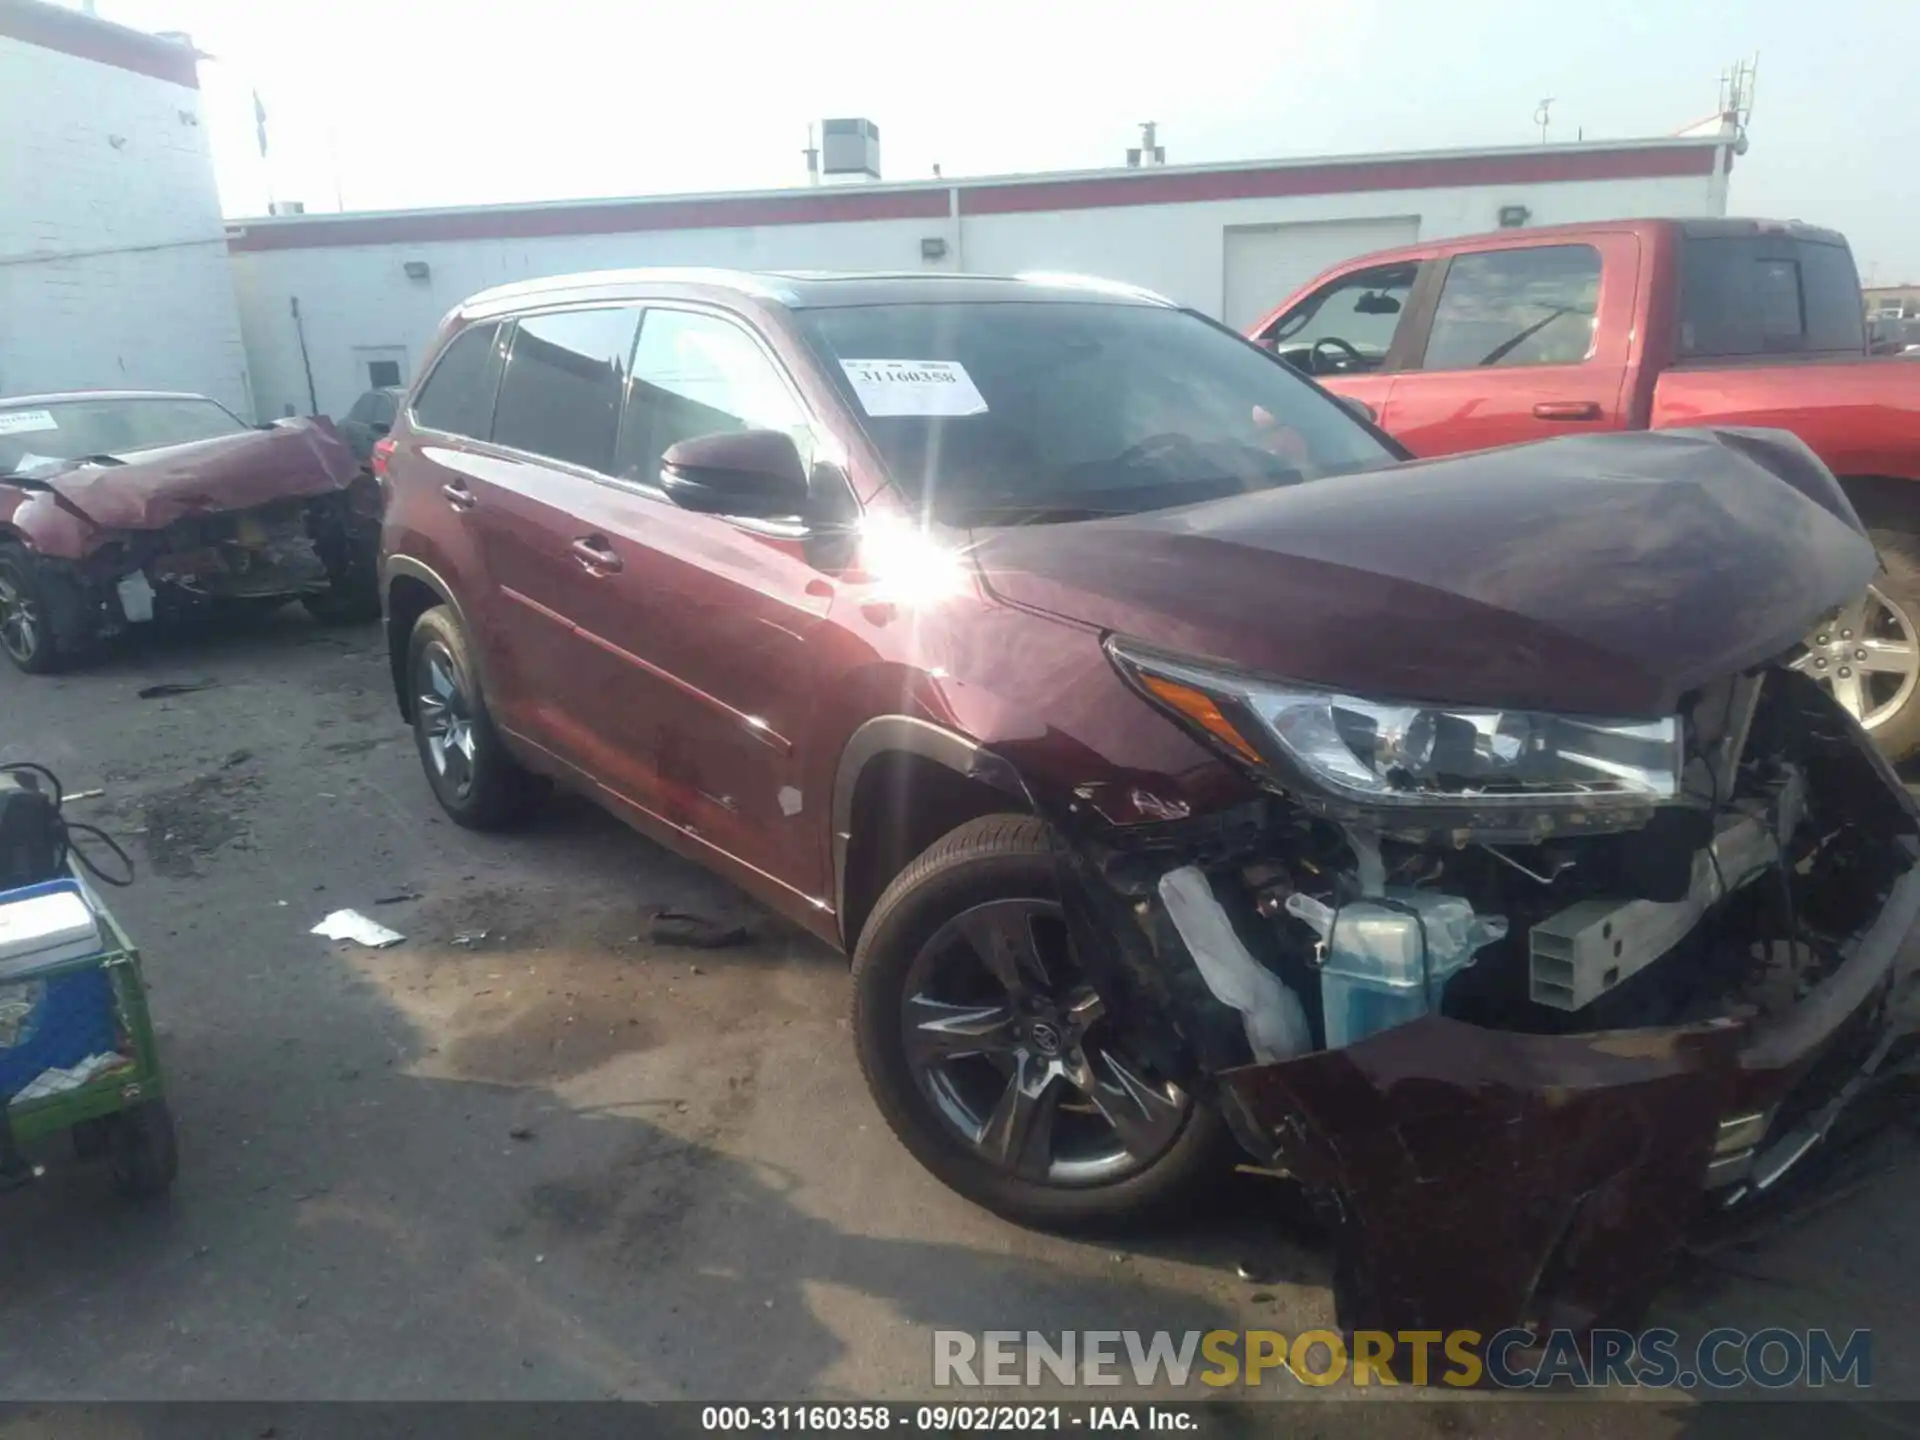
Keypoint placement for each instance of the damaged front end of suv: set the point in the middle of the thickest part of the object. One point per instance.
(93, 546)
(1513, 979)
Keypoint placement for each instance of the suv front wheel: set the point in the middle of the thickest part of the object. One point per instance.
(992, 1058)
(473, 777)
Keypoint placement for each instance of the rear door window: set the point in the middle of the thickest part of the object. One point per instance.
(1533, 306)
(566, 373)
(458, 395)
(1768, 295)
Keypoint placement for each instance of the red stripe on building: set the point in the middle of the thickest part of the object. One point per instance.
(49, 27)
(1337, 177)
(814, 207)
(722, 212)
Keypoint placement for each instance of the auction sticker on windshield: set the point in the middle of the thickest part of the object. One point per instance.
(25, 422)
(914, 387)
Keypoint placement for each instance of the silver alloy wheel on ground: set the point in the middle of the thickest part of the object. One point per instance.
(1008, 1046)
(1867, 657)
(445, 718)
(19, 622)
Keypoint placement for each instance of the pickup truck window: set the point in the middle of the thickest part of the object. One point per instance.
(1347, 327)
(1767, 295)
(1516, 307)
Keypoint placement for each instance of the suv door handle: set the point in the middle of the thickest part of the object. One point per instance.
(458, 496)
(595, 555)
(1567, 410)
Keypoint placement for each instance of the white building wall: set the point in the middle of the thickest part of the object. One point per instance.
(113, 261)
(356, 298)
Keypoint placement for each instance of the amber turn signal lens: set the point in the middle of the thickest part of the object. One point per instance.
(1198, 706)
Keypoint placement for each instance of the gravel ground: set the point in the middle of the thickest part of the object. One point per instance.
(562, 1162)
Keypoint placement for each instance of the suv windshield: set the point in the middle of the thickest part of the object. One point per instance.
(34, 437)
(1048, 410)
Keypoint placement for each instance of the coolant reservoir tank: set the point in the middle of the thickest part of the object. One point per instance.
(1386, 959)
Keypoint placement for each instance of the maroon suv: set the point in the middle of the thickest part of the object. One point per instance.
(1176, 760)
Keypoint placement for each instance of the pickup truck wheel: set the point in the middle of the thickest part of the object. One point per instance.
(1868, 656)
(991, 1058)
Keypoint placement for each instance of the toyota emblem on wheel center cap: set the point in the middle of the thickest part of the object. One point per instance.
(1046, 1038)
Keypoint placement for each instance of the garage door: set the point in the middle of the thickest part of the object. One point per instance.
(1267, 263)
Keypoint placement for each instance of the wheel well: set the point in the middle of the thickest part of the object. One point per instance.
(1885, 503)
(408, 598)
(902, 803)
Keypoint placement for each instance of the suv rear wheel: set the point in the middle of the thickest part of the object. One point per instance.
(992, 1058)
(473, 777)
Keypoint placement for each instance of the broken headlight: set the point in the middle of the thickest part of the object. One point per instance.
(1395, 753)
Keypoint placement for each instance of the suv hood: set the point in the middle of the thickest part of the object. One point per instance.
(156, 488)
(1601, 574)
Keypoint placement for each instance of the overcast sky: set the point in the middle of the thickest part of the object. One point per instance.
(426, 102)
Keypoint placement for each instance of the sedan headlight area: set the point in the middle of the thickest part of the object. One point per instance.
(1387, 752)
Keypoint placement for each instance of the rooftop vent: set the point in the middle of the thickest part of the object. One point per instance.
(850, 147)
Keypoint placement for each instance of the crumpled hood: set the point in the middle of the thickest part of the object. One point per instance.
(157, 488)
(1604, 574)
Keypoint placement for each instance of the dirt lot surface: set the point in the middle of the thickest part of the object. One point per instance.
(552, 1159)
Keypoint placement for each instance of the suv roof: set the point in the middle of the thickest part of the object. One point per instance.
(810, 289)
(10, 402)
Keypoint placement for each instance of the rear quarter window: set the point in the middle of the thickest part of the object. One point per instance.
(458, 394)
(1768, 295)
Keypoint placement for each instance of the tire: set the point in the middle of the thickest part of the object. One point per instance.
(26, 630)
(352, 596)
(476, 781)
(994, 860)
(146, 1156)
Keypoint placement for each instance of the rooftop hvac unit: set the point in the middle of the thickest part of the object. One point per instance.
(287, 207)
(850, 147)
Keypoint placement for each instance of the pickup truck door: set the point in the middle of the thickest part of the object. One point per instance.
(1525, 341)
(1349, 332)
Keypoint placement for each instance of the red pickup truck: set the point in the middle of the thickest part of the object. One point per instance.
(1488, 340)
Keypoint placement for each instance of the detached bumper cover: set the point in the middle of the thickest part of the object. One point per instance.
(1485, 1179)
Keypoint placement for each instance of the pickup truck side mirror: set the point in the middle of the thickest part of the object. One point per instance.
(1360, 408)
(750, 474)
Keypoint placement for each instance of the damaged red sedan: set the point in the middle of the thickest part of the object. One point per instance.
(118, 508)
(1178, 761)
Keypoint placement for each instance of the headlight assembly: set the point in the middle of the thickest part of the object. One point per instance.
(1393, 753)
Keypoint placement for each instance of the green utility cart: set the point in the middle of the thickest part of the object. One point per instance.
(77, 1049)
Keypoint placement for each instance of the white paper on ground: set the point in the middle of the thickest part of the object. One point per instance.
(25, 422)
(352, 925)
(914, 387)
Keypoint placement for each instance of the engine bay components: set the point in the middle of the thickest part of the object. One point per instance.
(1385, 959)
(1590, 947)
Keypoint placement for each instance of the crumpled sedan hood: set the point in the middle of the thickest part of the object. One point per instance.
(1604, 574)
(157, 488)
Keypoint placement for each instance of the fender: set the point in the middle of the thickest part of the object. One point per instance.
(394, 566)
(905, 734)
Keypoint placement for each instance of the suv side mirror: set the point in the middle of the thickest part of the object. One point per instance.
(753, 474)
